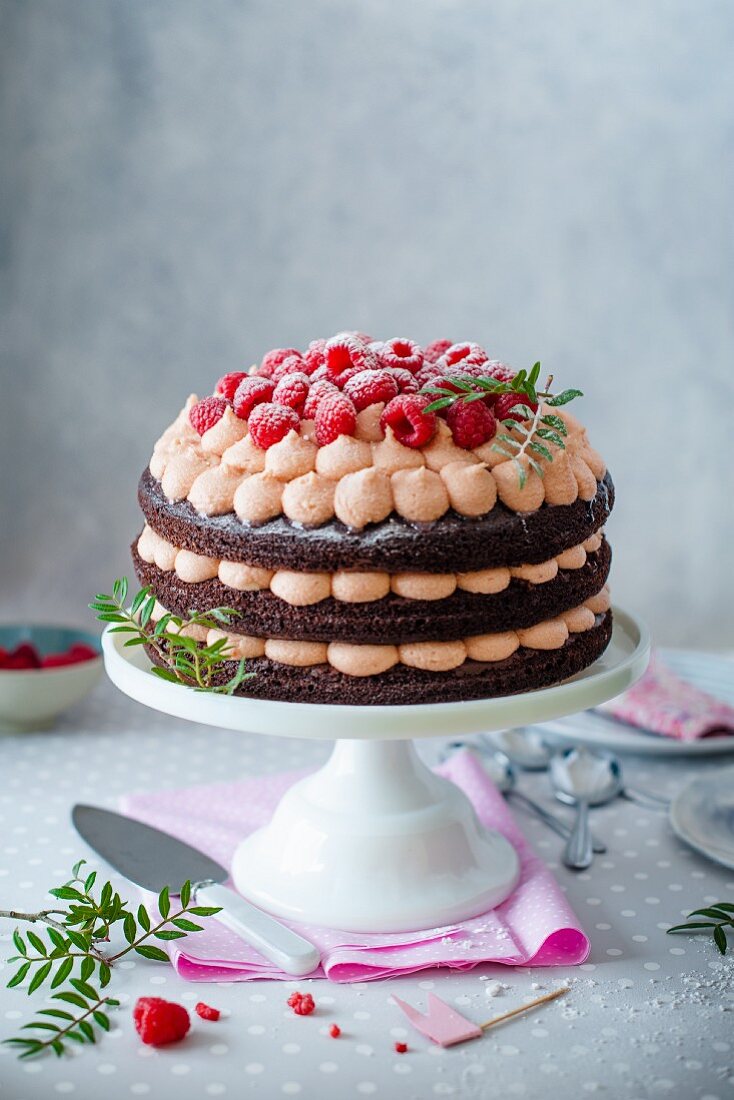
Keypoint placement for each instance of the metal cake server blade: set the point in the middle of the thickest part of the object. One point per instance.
(153, 859)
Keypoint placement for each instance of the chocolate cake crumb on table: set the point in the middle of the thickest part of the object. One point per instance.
(390, 524)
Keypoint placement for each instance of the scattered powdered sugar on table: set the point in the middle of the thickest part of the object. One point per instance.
(494, 988)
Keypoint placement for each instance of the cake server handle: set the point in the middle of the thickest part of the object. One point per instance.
(289, 951)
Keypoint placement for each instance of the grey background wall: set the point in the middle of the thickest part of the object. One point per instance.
(188, 184)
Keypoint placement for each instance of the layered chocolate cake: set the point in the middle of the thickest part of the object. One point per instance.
(393, 524)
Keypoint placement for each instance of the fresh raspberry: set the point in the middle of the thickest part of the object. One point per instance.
(464, 354)
(341, 379)
(58, 660)
(228, 383)
(402, 353)
(206, 413)
(314, 356)
(158, 1022)
(401, 1048)
(301, 1003)
(427, 375)
(500, 371)
(505, 402)
(269, 423)
(335, 416)
(292, 391)
(252, 391)
(206, 1011)
(335, 1031)
(370, 386)
(465, 370)
(405, 380)
(74, 655)
(319, 389)
(321, 373)
(344, 351)
(24, 656)
(406, 415)
(82, 652)
(363, 337)
(471, 424)
(433, 352)
(273, 359)
(291, 365)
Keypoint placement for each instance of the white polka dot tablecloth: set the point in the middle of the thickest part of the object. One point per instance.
(649, 1015)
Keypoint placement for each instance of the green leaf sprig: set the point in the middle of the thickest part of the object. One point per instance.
(525, 441)
(75, 935)
(184, 660)
(720, 917)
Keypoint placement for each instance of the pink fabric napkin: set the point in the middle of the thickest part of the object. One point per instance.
(535, 926)
(662, 703)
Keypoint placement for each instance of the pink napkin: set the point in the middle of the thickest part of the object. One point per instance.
(662, 703)
(535, 926)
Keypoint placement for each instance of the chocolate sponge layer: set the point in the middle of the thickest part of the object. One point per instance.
(525, 670)
(451, 544)
(393, 618)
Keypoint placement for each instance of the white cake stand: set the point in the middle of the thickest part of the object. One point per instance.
(374, 841)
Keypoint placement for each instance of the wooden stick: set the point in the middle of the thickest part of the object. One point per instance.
(524, 1008)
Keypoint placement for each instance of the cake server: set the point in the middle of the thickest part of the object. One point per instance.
(153, 859)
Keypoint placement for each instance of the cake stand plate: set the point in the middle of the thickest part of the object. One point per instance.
(375, 841)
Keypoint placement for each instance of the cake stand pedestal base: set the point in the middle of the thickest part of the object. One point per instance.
(375, 842)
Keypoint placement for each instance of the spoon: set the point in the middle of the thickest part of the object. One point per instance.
(525, 747)
(528, 748)
(583, 779)
(504, 776)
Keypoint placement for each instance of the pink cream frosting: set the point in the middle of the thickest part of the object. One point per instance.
(227, 431)
(245, 456)
(472, 489)
(309, 500)
(258, 498)
(435, 656)
(389, 456)
(346, 455)
(213, 491)
(243, 577)
(359, 587)
(363, 497)
(292, 457)
(300, 589)
(419, 495)
(471, 481)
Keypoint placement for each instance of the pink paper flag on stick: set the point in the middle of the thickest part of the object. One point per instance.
(442, 1024)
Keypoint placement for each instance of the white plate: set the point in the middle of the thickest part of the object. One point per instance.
(702, 814)
(708, 671)
(622, 663)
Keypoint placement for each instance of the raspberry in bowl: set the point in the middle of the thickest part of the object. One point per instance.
(43, 671)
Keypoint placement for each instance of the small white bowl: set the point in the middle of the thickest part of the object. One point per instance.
(30, 699)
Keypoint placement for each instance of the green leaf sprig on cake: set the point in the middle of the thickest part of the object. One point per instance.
(183, 659)
(517, 404)
(74, 956)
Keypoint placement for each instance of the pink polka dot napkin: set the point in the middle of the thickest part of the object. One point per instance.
(535, 926)
(660, 702)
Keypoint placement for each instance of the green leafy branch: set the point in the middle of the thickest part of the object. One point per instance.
(79, 1027)
(721, 917)
(74, 940)
(525, 441)
(183, 659)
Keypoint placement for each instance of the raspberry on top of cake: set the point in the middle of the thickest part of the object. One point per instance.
(357, 430)
(390, 523)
